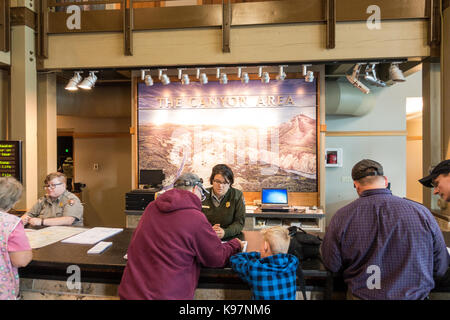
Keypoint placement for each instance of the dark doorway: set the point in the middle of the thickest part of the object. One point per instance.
(64, 150)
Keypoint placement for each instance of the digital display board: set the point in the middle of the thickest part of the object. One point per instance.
(11, 159)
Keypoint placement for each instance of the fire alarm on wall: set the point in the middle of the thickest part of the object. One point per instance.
(333, 157)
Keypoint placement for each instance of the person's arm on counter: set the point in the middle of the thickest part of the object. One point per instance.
(241, 263)
(211, 252)
(33, 213)
(19, 249)
(239, 219)
(60, 221)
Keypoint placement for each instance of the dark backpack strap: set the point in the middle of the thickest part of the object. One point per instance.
(301, 281)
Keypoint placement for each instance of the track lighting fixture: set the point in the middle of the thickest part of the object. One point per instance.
(147, 77)
(395, 73)
(74, 81)
(371, 76)
(281, 74)
(223, 78)
(353, 79)
(309, 75)
(163, 77)
(183, 77)
(265, 77)
(243, 76)
(202, 77)
(89, 81)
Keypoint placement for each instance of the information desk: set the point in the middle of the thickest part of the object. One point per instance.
(51, 263)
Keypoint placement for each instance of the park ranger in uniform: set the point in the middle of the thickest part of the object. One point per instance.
(58, 207)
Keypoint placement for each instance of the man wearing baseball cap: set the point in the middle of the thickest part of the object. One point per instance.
(439, 180)
(170, 244)
(385, 246)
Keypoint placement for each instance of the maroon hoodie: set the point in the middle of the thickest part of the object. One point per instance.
(170, 244)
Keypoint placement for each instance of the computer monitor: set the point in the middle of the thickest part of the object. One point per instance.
(152, 178)
(274, 196)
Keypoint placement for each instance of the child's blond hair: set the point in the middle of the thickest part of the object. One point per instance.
(278, 239)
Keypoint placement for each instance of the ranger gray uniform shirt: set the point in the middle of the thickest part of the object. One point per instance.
(66, 205)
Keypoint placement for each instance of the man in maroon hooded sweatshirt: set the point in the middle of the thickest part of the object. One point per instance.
(170, 244)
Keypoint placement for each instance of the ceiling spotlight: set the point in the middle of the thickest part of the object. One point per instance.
(203, 78)
(245, 78)
(163, 77)
(223, 78)
(353, 79)
(148, 80)
(265, 78)
(395, 73)
(371, 76)
(281, 74)
(184, 77)
(74, 81)
(89, 81)
(309, 76)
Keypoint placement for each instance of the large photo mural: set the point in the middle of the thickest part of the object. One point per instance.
(265, 132)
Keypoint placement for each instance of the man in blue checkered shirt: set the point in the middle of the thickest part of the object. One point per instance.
(271, 273)
(386, 247)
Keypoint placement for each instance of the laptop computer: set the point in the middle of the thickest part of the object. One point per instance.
(274, 200)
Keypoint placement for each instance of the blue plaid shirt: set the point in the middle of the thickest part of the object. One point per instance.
(270, 278)
(399, 237)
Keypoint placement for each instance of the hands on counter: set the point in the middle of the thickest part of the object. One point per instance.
(26, 219)
(219, 231)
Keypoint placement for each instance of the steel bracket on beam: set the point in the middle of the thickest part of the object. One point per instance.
(226, 25)
(128, 27)
(5, 26)
(42, 30)
(330, 15)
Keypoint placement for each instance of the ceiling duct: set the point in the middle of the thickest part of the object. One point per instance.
(342, 99)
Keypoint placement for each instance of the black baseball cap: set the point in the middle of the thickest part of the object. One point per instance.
(442, 167)
(365, 168)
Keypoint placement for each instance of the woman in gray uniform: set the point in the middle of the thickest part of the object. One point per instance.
(58, 207)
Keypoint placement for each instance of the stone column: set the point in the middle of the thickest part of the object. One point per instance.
(47, 127)
(23, 115)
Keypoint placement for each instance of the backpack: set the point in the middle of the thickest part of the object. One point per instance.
(304, 246)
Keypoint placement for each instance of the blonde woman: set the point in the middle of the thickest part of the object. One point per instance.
(15, 250)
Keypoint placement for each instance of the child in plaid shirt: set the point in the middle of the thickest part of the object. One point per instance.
(271, 273)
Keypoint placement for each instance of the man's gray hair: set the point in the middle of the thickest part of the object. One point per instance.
(187, 181)
(10, 192)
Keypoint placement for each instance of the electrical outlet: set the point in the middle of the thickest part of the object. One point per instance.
(346, 179)
(95, 166)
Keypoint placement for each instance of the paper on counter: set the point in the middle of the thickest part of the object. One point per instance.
(93, 235)
(46, 236)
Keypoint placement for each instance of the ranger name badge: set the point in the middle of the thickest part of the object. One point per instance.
(205, 207)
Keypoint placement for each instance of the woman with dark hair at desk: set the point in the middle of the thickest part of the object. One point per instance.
(224, 207)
